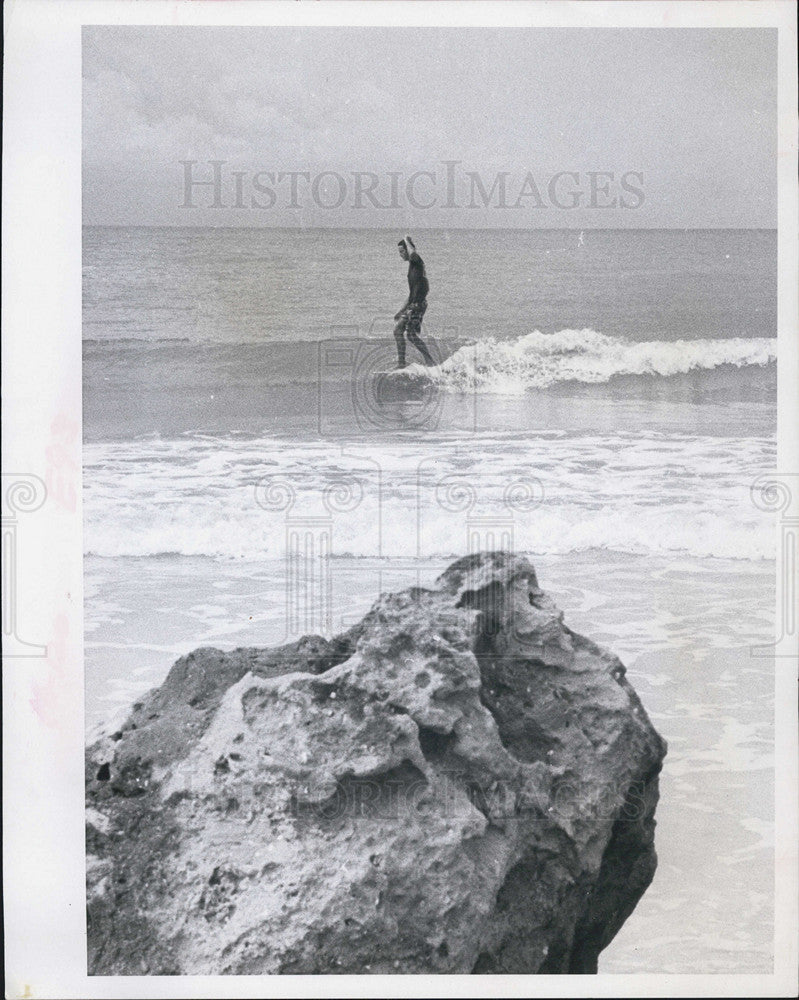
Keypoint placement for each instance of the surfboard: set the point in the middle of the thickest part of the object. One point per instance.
(402, 383)
(411, 373)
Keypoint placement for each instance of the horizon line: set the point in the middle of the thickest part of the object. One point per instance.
(440, 229)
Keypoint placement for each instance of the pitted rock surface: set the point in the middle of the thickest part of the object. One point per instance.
(460, 783)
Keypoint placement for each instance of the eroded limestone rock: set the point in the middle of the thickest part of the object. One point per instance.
(458, 784)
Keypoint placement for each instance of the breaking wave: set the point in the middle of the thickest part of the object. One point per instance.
(246, 499)
(538, 361)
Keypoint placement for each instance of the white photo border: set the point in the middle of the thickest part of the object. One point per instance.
(44, 848)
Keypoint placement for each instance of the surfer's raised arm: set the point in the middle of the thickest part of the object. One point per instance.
(411, 246)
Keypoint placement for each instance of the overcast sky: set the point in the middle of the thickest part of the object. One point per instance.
(691, 110)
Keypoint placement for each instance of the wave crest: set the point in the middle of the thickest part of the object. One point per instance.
(537, 360)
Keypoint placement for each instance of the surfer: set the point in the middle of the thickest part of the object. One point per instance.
(410, 315)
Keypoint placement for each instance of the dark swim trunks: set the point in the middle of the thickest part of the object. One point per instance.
(412, 317)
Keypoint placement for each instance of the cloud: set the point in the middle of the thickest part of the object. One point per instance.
(694, 109)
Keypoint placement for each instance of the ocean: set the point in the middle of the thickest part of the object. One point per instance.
(603, 404)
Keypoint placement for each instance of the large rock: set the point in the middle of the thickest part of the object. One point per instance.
(458, 784)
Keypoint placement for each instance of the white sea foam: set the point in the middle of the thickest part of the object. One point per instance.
(537, 360)
(247, 500)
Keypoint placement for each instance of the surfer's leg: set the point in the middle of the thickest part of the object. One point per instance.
(418, 343)
(399, 336)
(413, 328)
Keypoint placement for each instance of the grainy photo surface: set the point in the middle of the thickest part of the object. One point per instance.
(429, 401)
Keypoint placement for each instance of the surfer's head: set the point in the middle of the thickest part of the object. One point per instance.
(403, 249)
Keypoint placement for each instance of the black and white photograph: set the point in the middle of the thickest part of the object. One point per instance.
(437, 545)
